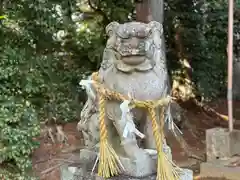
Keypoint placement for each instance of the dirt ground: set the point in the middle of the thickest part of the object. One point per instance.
(48, 157)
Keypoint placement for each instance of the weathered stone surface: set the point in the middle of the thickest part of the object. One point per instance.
(82, 168)
(78, 173)
(137, 167)
(87, 156)
(221, 144)
(134, 66)
(220, 169)
(133, 63)
(187, 174)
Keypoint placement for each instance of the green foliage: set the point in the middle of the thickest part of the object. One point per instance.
(43, 56)
(19, 122)
(202, 30)
(210, 66)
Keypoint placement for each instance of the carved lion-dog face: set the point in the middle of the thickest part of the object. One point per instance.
(134, 42)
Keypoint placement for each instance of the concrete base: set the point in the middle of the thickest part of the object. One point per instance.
(133, 170)
(77, 173)
(221, 169)
(221, 144)
(142, 166)
(139, 167)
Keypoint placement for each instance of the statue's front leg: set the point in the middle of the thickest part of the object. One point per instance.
(149, 142)
(129, 141)
(135, 160)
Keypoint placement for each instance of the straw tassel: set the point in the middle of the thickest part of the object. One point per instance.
(109, 162)
(165, 169)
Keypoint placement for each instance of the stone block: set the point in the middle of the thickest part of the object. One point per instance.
(219, 169)
(168, 151)
(134, 169)
(187, 174)
(77, 173)
(222, 144)
(138, 167)
(87, 156)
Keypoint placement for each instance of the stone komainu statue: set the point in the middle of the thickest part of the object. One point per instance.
(133, 63)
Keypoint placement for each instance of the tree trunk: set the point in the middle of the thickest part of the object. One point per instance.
(157, 14)
(157, 10)
(143, 11)
(148, 10)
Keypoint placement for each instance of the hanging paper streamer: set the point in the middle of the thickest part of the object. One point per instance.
(128, 119)
(169, 120)
(86, 84)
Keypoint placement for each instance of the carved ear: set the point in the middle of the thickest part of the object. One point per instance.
(157, 31)
(110, 29)
(154, 25)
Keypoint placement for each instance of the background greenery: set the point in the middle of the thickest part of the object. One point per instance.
(47, 46)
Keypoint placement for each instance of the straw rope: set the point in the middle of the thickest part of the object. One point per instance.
(109, 162)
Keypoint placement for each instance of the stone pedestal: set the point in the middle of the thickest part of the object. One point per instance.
(221, 147)
(220, 169)
(134, 170)
(141, 166)
(78, 173)
(222, 144)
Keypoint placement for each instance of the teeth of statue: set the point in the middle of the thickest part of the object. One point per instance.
(134, 51)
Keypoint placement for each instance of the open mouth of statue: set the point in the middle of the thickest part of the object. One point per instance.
(133, 59)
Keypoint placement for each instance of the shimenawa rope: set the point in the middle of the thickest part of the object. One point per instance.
(109, 162)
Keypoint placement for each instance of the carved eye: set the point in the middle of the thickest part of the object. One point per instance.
(141, 34)
(124, 34)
